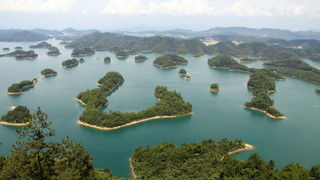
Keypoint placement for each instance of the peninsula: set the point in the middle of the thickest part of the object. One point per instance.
(19, 116)
(170, 105)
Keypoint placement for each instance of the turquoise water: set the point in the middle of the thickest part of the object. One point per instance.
(215, 116)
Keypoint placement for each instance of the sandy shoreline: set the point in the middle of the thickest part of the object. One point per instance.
(265, 112)
(14, 93)
(131, 123)
(161, 67)
(247, 147)
(81, 102)
(133, 173)
(214, 90)
(317, 107)
(14, 124)
(48, 75)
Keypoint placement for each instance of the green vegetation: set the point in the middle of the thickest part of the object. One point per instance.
(170, 103)
(214, 87)
(169, 61)
(5, 49)
(21, 54)
(182, 72)
(122, 54)
(296, 68)
(48, 72)
(96, 98)
(315, 57)
(210, 160)
(79, 52)
(70, 63)
(53, 51)
(37, 156)
(42, 45)
(261, 85)
(226, 62)
(107, 60)
(18, 88)
(140, 58)
(317, 91)
(248, 60)
(20, 114)
(81, 60)
(18, 48)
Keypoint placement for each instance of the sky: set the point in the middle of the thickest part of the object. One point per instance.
(137, 15)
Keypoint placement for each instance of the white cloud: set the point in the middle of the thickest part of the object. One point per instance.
(36, 5)
(261, 8)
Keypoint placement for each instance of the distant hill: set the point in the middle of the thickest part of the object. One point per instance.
(18, 36)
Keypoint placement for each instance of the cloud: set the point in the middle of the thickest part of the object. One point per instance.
(259, 8)
(36, 5)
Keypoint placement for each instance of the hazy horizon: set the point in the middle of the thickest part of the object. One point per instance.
(139, 15)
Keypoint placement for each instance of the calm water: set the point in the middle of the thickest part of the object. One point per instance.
(215, 116)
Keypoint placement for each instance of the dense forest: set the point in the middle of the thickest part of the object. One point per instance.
(21, 54)
(53, 51)
(214, 87)
(96, 98)
(70, 63)
(42, 45)
(210, 160)
(140, 58)
(107, 60)
(170, 103)
(21, 86)
(48, 72)
(122, 54)
(226, 62)
(20, 114)
(169, 61)
(182, 72)
(261, 84)
(79, 52)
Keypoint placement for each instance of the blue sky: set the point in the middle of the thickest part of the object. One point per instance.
(112, 15)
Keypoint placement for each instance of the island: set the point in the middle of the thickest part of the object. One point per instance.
(64, 43)
(122, 54)
(19, 88)
(140, 58)
(18, 48)
(81, 60)
(19, 116)
(80, 52)
(182, 72)
(48, 73)
(317, 91)
(169, 61)
(187, 77)
(261, 85)
(70, 63)
(208, 159)
(21, 54)
(107, 60)
(226, 62)
(214, 88)
(170, 105)
(42, 45)
(53, 51)
(5, 49)
(96, 98)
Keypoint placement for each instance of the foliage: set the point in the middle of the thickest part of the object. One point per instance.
(82, 52)
(140, 58)
(182, 72)
(107, 59)
(70, 63)
(315, 57)
(53, 51)
(20, 114)
(48, 71)
(44, 45)
(121, 54)
(214, 86)
(317, 91)
(20, 87)
(169, 60)
(171, 103)
(21, 54)
(226, 62)
(94, 98)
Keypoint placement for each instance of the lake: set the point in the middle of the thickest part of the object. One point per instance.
(216, 116)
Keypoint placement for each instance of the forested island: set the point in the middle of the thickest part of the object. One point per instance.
(48, 73)
(81, 60)
(53, 51)
(70, 63)
(18, 48)
(187, 77)
(261, 85)
(5, 49)
(21, 54)
(169, 61)
(18, 88)
(42, 45)
(226, 62)
(182, 72)
(121, 54)
(96, 98)
(80, 52)
(140, 58)
(214, 87)
(107, 60)
(19, 116)
(170, 105)
(317, 91)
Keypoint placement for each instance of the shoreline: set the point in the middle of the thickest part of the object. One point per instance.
(214, 90)
(81, 102)
(247, 147)
(14, 124)
(48, 75)
(266, 113)
(14, 93)
(164, 67)
(317, 106)
(131, 123)
(133, 173)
